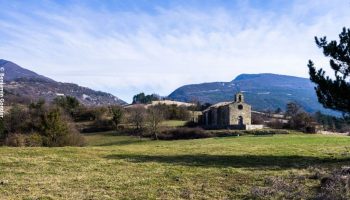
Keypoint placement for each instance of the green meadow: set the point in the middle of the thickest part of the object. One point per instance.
(126, 167)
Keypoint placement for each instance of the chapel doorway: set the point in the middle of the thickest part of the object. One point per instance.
(240, 120)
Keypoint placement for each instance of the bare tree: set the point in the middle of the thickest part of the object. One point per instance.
(137, 117)
(298, 118)
(155, 117)
(193, 108)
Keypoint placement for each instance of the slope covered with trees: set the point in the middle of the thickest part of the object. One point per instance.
(262, 91)
(25, 86)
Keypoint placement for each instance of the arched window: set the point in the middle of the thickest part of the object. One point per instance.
(240, 98)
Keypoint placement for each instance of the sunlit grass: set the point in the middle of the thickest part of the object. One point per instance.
(173, 123)
(124, 167)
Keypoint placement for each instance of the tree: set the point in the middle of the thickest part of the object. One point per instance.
(332, 123)
(278, 110)
(301, 121)
(40, 124)
(39, 105)
(2, 129)
(36, 111)
(334, 94)
(54, 128)
(68, 103)
(298, 118)
(137, 117)
(293, 109)
(90, 113)
(257, 119)
(117, 115)
(142, 98)
(16, 121)
(155, 117)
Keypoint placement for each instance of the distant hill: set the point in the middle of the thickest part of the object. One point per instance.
(25, 85)
(14, 72)
(262, 91)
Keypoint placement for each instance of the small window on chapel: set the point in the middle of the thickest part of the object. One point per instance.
(239, 98)
(240, 107)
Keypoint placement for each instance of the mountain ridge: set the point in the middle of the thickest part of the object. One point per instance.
(245, 76)
(265, 91)
(14, 71)
(23, 84)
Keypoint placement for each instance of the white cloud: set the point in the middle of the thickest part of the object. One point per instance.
(129, 52)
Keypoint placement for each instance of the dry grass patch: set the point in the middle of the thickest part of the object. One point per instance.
(123, 167)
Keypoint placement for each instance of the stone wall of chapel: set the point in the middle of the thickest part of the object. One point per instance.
(236, 112)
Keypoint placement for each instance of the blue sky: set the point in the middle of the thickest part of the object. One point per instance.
(125, 47)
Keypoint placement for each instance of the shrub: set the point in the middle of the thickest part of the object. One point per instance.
(227, 133)
(332, 185)
(331, 123)
(335, 185)
(33, 140)
(174, 112)
(16, 121)
(267, 132)
(99, 126)
(196, 133)
(183, 133)
(191, 124)
(83, 113)
(73, 139)
(280, 188)
(257, 119)
(68, 103)
(277, 124)
(50, 125)
(56, 130)
(2, 130)
(15, 140)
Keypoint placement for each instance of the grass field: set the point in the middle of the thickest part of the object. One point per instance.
(123, 167)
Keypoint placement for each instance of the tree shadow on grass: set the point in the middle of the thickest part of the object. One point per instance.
(237, 161)
(121, 142)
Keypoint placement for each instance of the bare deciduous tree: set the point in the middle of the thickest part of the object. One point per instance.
(137, 117)
(155, 117)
